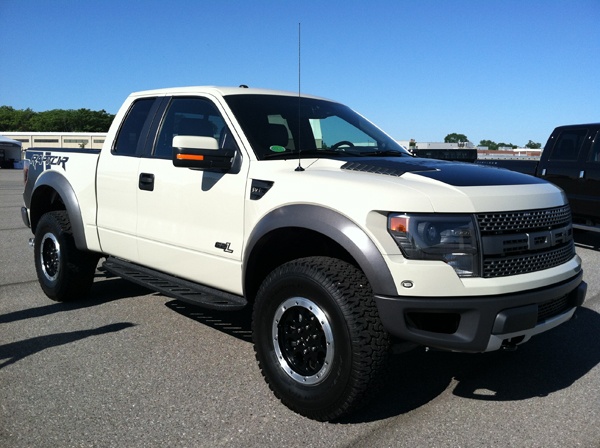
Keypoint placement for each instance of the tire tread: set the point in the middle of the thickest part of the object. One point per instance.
(79, 266)
(369, 341)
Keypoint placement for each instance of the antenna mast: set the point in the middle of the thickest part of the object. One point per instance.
(299, 56)
(299, 167)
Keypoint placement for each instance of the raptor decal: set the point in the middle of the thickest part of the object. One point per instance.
(47, 160)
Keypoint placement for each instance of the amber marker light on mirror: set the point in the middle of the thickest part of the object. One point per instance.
(189, 157)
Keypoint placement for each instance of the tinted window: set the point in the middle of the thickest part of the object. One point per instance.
(191, 116)
(131, 131)
(278, 126)
(568, 144)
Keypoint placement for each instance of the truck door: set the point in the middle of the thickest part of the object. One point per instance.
(562, 167)
(190, 222)
(587, 196)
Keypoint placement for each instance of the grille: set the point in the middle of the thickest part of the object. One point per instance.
(525, 241)
(552, 308)
(526, 220)
(524, 263)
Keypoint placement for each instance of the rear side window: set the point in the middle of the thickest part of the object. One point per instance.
(131, 131)
(568, 144)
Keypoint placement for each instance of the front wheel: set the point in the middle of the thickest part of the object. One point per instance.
(65, 273)
(318, 338)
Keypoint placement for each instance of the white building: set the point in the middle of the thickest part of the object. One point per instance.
(72, 140)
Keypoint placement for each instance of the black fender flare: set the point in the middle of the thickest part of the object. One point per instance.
(334, 226)
(60, 184)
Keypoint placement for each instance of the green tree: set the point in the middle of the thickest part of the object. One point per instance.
(15, 120)
(533, 145)
(455, 138)
(56, 120)
(85, 120)
(490, 144)
(507, 145)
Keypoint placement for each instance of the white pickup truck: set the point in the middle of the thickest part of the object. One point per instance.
(341, 242)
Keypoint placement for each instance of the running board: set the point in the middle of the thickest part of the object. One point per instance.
(587, 228)
(175, 287)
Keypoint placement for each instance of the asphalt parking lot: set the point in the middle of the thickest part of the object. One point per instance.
(131, 368)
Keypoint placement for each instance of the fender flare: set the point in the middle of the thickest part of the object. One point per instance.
(334, 226)
(64, 189)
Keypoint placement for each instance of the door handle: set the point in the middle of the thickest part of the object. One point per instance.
(146, 182)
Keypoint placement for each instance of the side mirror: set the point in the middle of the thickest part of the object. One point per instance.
(202, 153)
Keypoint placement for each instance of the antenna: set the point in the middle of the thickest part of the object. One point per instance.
(299, 167)
(299, 56)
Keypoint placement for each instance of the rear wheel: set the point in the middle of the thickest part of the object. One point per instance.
(65, 273)
(318, 338)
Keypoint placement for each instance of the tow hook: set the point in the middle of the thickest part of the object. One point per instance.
(31, 242)
(510, 345)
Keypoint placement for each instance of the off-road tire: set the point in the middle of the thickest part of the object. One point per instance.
(318, 338)
(65, 273)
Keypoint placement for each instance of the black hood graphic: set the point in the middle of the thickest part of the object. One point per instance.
(451, 173)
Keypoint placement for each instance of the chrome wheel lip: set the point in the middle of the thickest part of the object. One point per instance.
(325, 327)
(50, 256)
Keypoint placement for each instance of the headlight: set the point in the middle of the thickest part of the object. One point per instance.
(448, 238)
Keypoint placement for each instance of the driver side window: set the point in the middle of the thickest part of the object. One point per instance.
(191, 116)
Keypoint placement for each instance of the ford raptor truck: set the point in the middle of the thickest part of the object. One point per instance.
(340, 241)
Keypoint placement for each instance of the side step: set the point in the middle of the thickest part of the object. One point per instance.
(586, 228)
(175, 287)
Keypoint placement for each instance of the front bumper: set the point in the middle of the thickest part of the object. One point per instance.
(481, 324)
(25, 216)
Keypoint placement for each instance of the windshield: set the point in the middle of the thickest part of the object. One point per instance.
(285, 126)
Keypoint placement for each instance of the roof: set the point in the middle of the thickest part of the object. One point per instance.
(218, 91)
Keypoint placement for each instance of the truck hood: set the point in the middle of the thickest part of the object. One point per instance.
(451, 173)
(411, 185)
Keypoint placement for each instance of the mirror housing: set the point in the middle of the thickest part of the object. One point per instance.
(201, 153)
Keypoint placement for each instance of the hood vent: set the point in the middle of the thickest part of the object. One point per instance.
(384, 166)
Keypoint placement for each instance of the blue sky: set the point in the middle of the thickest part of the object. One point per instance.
(508, 71)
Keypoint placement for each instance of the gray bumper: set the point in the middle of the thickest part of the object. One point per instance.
(25, 216)
(479, 324)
